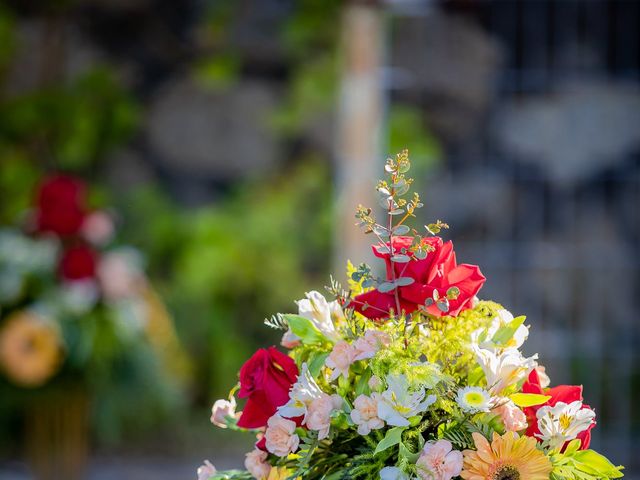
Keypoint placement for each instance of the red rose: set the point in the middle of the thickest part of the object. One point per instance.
(265, 380)
(60, 205)
(78, 263)
(561, 393)
(438, 271)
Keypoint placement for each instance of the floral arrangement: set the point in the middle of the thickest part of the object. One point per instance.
(72, 304)
(406, 376)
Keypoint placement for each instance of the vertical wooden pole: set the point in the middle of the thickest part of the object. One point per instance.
(360, 120)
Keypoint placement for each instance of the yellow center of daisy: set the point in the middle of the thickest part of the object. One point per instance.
(474, 398)
(507, 472)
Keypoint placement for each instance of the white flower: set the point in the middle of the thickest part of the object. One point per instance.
(397, 403)
(392, 473)
(120, 274)
(483, 337)
(505, 368)
(221, 410)
(290, 340)
(323, 315)
(473, 399)
(365, 414)
(280, 436)
(368, 345)
(563, 422)
(98, 228)
(302, 393)
(340, 359)
(319, 414)
(206, 471)
(545, 381)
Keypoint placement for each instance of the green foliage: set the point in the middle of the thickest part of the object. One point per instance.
(575, 464)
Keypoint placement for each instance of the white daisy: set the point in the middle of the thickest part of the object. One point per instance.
(473, 399)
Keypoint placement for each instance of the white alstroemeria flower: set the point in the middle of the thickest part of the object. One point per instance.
(473, 399)
(503, 318)
(505, 368)
(397, 403)
(563, 422)
(302, 393)
(324, 315)
(392, 473)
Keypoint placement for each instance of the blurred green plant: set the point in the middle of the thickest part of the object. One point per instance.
(228, 266)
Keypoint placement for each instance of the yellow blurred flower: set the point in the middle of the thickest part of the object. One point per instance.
(508, 457)
(279, 473)
(30, 349)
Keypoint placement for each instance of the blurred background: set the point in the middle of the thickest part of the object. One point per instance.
(234, 139)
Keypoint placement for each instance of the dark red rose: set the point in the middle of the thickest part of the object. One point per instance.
(78, 263)
(265, 381)
(561, 393)
(438, 271)
(60, 205)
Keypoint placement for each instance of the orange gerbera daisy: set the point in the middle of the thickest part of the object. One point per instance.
(508, 457)
(30, 349)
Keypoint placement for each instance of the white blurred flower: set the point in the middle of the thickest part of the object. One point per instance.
(473, 399)
(98, 228)
(206, 471)
(505, 368)
(120, 274)
(563, 422)
(392, 473)
(79, 296)
(398, 403)
(223, 409)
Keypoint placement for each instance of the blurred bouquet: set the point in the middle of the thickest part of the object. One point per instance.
(408, 376)
(74, 307)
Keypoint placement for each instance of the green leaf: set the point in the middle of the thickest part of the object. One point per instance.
(504, 334)
(393, 437)
(592, 462)
(401, 258)
(529, 399)
(316, 362)
(304, 328)
(406, 453)
(362, 385)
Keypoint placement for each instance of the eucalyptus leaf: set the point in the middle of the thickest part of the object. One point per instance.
(401, 230)
(386, 287)
(401, 258)
(404, 281)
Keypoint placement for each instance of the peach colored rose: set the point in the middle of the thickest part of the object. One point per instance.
(340, 358)
(367, 346)
(365, 414)
(280, 437)
(206, 471)
(221, 410)
(439, 461)
(256, 464)
(319, 413)
(290, 340)
(513, 418)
